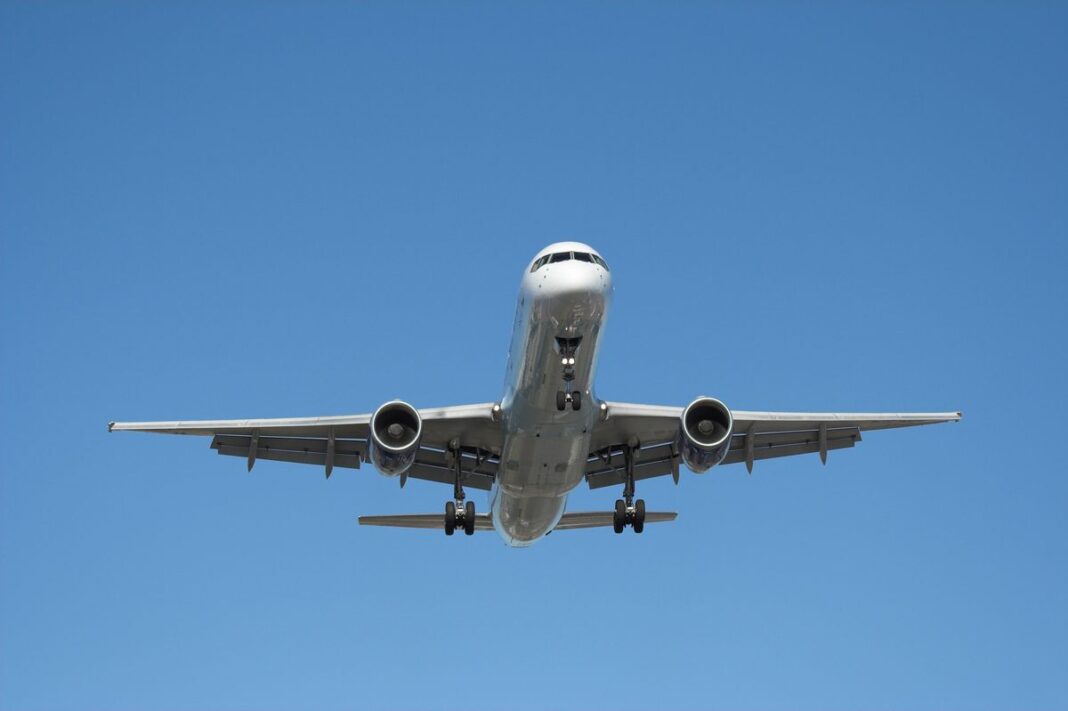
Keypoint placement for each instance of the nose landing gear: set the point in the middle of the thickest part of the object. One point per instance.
(568, 347)
(565, 398)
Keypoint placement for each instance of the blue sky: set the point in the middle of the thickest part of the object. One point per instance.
(250, 210)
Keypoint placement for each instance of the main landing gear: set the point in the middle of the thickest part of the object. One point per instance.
(628, 511)
(565, 397)
(458, 514)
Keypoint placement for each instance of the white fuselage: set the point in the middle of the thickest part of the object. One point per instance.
(545, 449)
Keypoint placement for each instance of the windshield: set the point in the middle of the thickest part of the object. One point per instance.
(567, 256)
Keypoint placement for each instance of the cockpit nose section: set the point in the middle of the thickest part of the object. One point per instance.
(569, 286)
(568, 252)
(569, 270)
(573, 281)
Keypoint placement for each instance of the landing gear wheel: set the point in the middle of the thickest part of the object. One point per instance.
(619, 516)
(638, 524)
(561, 400)
(576, 400)
(450, 518)
(469, 518)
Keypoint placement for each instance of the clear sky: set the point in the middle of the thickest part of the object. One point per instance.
(214, 210)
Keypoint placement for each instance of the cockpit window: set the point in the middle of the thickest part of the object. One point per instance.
(565, 256)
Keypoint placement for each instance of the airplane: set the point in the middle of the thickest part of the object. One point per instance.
(548, 433)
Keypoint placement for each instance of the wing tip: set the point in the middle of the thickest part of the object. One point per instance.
(111, 425)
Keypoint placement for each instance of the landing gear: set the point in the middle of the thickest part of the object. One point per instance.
(629, 512)
(619, 518)
(450, 518)
(469, 517)
(563, 399)
(458, 513)
(632, 515)
(568, 348)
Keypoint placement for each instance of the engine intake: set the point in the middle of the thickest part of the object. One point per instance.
(395, 432)
(704, 433)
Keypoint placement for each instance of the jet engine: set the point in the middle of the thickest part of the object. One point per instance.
(395, 431)
(704, 433)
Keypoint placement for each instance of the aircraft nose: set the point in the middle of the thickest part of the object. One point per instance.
(578, 280)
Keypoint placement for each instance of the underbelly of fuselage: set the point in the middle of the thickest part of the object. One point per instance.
(561, 312)
(538, 469)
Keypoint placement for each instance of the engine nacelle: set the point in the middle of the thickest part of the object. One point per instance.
(395, 432)
(704, 433)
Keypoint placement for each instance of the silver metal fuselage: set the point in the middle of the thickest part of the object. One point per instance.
(545, 450)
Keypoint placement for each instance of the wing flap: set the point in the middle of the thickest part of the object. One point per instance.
(349, 461)
(430, 464)
(808, 445)
(654, 461)
(294, 444)
(779, 439)
(473, 461)
(444, 475)
(304, 450)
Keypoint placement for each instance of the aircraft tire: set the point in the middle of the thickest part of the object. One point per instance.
(469, 518)
(619, 517)
(576, 400)
(450, 518)
(561, 400)
(639, 516)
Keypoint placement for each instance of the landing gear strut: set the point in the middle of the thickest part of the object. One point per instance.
(629, 512)
(458, 513)
(565, 397)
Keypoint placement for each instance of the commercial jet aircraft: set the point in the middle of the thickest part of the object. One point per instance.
(549, 432)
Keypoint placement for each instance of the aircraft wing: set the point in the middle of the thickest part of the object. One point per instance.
(756, 435)
(341, 441)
